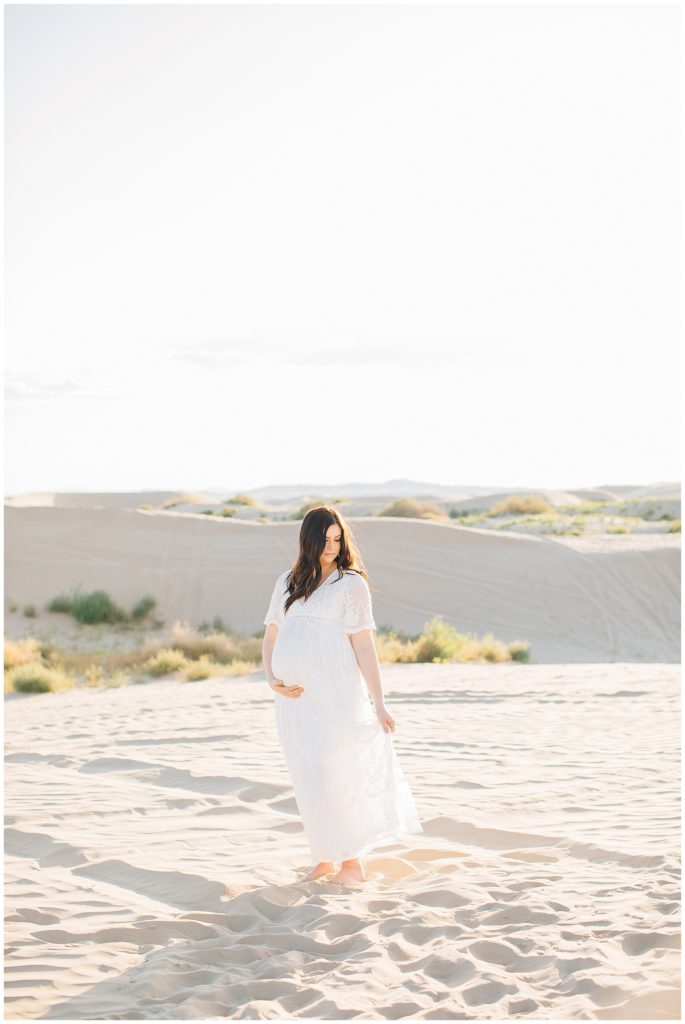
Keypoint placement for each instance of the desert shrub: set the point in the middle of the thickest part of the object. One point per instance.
(79, 661)
(21, 652)
(94, 675)
(250, 649)
(584, 508)
(240, 499)
(164, 662)
(242, 668)
(410, 508)
(203, 668)
(116, 679)
(217, 646)
(143, 607)
(184, 499)
(227, 513)
(492, 649)
(392, 649)
(521, 504)
(30, 611)
(219, 627)
(507, 524)
(519, 650)
(307, 506)
(674, 527)
(35, 677)
(441, 642)
(60, 603)
(96, 606)
(617, 529)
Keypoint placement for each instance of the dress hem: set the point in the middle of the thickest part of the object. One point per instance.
(386, 837)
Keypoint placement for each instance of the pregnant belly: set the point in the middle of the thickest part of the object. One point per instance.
(310, 652)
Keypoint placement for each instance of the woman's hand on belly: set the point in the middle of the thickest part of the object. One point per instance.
(278, 686)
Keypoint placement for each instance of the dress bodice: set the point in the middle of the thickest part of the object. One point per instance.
(344, 600)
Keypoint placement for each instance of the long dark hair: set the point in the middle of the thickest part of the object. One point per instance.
(305, 575)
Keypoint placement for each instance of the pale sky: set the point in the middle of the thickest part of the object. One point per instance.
(248, 245)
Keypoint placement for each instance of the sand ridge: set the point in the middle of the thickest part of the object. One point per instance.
(572, 604)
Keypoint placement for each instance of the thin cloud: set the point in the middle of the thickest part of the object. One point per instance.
(223, 353)
(31, 386)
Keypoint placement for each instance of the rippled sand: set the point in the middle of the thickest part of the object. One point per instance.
(154, 854)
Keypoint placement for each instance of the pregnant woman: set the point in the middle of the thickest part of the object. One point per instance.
(335, 732)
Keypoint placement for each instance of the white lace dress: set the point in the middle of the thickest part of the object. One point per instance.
(350, 789)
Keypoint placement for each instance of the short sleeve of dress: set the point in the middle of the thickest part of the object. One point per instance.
(358, 611)
(275, 613)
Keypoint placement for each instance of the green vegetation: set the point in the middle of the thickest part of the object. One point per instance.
(203, 668)
(523, 512)
(593, 517)
(240, 499)
(521, 504)
(164, 662)
(95, 676)
(218, 626)
(97, 606)
(30, 611)
(143, 608)
(20, 652)
(585, 508)
(183, 650)
(301, 512)
(674, 527)
(39, 667)
(441, 642)
(35, 677)
(410, 508)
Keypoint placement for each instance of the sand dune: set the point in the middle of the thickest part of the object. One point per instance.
(294, 494)
(90, 499)
(154, 855)
(572, 604)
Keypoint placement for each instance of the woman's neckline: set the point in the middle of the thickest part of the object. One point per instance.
(333, 573)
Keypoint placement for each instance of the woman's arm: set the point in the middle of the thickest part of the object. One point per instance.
(277, 685)
(270, 634)
(367, 659)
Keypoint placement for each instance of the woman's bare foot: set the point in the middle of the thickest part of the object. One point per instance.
(350, 871)
(324, 867)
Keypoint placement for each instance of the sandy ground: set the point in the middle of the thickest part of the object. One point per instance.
(154, 854)
(572, 600)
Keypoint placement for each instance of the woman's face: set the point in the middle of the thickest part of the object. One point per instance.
(332, 549)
